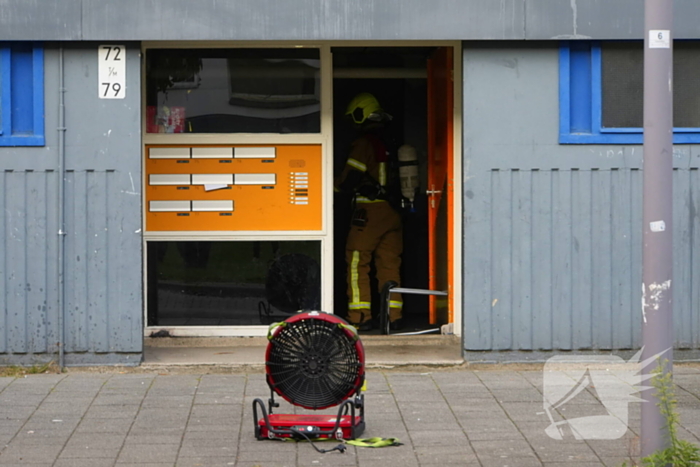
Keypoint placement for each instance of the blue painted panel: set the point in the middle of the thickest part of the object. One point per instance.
(5, 88)
(577, 75)
(22, 94)
(580, 101)
(21, 89)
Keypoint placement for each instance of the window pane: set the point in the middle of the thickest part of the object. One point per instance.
(622, 77)
(233, 91)
(207, 283)
(686, 97)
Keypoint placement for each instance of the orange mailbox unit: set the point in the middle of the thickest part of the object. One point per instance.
(233, 188)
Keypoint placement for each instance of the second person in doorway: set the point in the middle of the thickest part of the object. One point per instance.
(375, 231)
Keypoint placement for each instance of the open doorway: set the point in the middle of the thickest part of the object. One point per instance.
(408, 86)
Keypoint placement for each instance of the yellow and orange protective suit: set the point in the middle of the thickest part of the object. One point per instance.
(381, 236)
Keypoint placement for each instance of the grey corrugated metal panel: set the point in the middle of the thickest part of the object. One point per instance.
(125, 276)
(16, 262)
(686, 236)
(39, 265)
(477, 250)
(26, 20)
(542, 186)
(562, 261)
(624, 221)
(103, 210)
(303, 20)
(521, 258)
(582, 251)
(592, 206)
(28, 280)
(499, 303)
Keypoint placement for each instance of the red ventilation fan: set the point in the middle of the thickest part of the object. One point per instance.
(314, 360)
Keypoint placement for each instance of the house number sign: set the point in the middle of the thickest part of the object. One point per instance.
(111, 71)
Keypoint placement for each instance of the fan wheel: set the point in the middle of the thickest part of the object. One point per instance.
(315, 361)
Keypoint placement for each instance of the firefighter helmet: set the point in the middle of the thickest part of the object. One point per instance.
(364, 107)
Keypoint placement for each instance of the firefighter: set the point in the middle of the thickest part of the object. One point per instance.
(375, 231)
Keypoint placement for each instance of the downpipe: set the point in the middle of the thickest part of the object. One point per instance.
(60, 208)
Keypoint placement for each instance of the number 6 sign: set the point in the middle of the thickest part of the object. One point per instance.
(111, 71)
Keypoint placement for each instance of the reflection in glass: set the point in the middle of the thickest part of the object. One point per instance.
(233, 91)
(202, 283)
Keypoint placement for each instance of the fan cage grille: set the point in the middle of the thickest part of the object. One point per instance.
(315, 362)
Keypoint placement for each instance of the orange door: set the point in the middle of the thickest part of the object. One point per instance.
(440, 181)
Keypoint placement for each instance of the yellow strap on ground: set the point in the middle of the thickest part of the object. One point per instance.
(374, 442)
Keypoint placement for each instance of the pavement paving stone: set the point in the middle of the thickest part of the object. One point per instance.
(112, 425)
(24, 439)
(157, 402)
(154, 453)
(312, 458)
(510, 448)
(92, 462)
(517, 395)
(152, 438)
(19, 454)
(246, 464)
(219, 434)
(93, 440)
(21, 400)
(11, 412)
(437, 438)
(111, 411)
(568, 452)
(265, 457)
(618, 461)
(88, 452)
(228, 449)
(496, 416)
(115, 399)
(506, 461)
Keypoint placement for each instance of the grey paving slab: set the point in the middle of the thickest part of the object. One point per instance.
(91, 462)
(445, 417)
(153, 453)
(25, 454)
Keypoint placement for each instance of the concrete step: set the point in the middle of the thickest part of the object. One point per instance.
(380, 351)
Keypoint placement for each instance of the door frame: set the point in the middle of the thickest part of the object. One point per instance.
(325, 139)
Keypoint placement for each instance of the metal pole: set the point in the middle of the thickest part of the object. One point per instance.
(61, 209)
(657, 326)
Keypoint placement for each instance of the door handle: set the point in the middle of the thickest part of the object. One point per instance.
(432, 192)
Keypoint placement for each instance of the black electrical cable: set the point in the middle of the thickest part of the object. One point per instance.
(341, 447)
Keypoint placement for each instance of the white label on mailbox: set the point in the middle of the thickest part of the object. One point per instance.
(111, 66)
(212, 179)
(225, 205)
(169, 206)
(255, 179)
